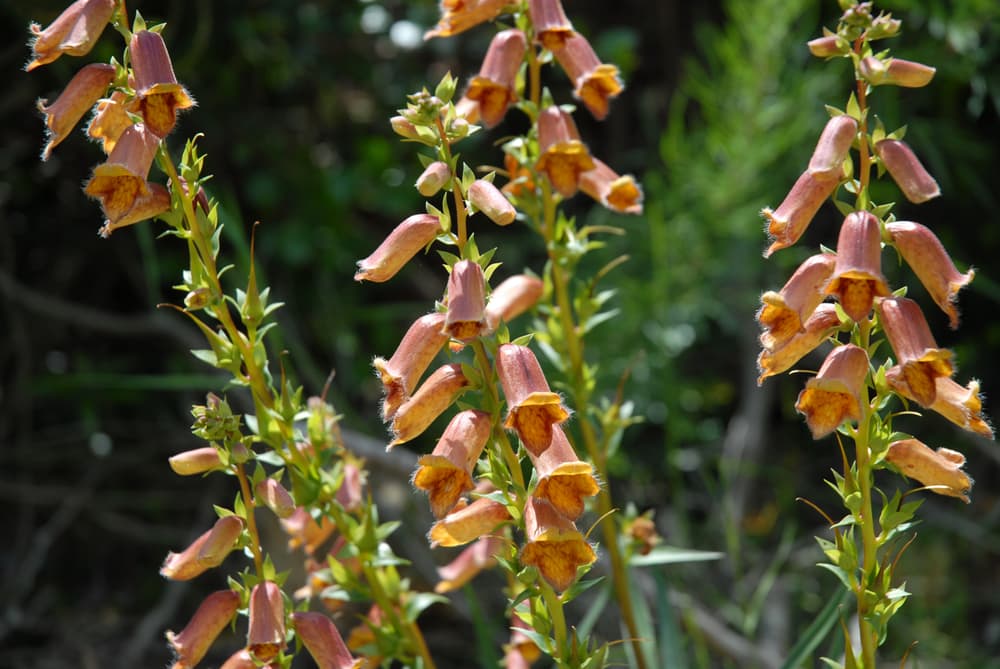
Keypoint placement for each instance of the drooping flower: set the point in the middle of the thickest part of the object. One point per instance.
(494, 87)
(563, 156)
(940, 471)
(783, 313)
(405, 240)
(205, 552)
(121, 181)
(460, 15)
(511, 298)
(323, 641)
(418, 348)
(857, 278)
(927, 257)
(563, 479)
(594, 83)
(532, 408)
(83, 91)
(266, 634)
(837, 392)
(74, 32)
(787, 223)
(196, 461)
(192, 643)
(466, 318)
(158, 96)
(447, 472)
(469, 523)
(833, 146)
(552, 27)
(918, 357)
(816, 328)
(616, 192)
(906, 170)
(433, 178)
(895, 72)
(109, 122)
(962, 405)
(436, 394)
(487, 198)
(554, 546)
(477, 557)
(155, 202)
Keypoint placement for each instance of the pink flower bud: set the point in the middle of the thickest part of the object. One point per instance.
(827, 46)
(564, 158)
(436, 394)
(466, 319)
(835, 394)
(207, 551)
(83, 91)
(320, 637)
(895, 72)
(212, 616)
(403, 127)
(783, 314)
(929, 260)
(814, 331)
(857, 277)
(787, 223)
(479, 556)
(399, 247)
(488, 199)
(563, 479)
(433, 178)
(158, 95)
(532, 409)
(275, 497)
(349, 494)
(121, 181)
(447, 472)
(554, 546)
(617, 193)
(833, 146)
(460, 15)
(493, 88)
(109, 122)
(512, 298)
(468, 523)
(940, 471)
(196, 461)
(918, 357)
(419, 346)
(912, 178)
(266, 635)
(594, 82)
(74, 32)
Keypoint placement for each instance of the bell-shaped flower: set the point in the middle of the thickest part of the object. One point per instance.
(323, 641)
(488, 199)
(493, 88)
(213, 615)
(447, 472)
(153, 203)
(121, 181)
(895, 72)
(109, 122)
(418, 348)
(466, 316)
(434, 177)
(477, 557)
(469, 523)
(962, 405)
(266, 633)
(940, 471)
(927, 257)
(83, 91)
(205, 552)
(837, 392)
(594, 83)
(511, 298)
(532, 408)
(616, 192)
(196, 461)
(74, 32)
(906, 170)
(783, 313)
(787, 223)
(563, 479)
(553, 544)
(405, 240)
(563, 156)
(460, 15)
(831, 150)
(918, 357)
(816, 329)
(438, 392)
(857, 278)
(158, 96)
(548, 18)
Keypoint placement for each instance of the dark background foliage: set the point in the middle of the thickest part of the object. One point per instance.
(721, 112)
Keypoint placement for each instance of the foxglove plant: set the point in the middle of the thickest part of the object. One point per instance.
(861, 386)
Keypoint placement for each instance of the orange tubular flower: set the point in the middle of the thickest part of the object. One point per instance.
(918, 357)
(857, 277)
(153, 203)
(940, 471)
(816, 328)
(532, 409)
(617, 193)
(241, 659)
(212, 616)
(158, 95)
(563, 479)
(912, 177)
(511, 298)
(836, 393)
(594, 82)
(833, 146)
(564, 157)
(266, 635)
(552, 28)
(554, 545)
(405, 240)
(783, 313)
(468, 523)
(962, 405)
(323, 641)
(121, 181)
(207, 551)
(437, 393)
(75, 31)
(929, 260)
(83, 91)
(466, 318)
(895, 72)
(481, 555)
(447, 472)
(413, 356)
(109, 122)
(493, 88)
(460, 15)
(488, 199)
(787, 223)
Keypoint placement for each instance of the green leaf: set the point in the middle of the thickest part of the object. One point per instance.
(673, 555)
(816, 632)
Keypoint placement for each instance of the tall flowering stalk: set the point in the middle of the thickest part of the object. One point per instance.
(883, 357)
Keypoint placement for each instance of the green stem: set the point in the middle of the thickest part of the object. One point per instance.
(249, 503)
(865, 517)
(558, 619)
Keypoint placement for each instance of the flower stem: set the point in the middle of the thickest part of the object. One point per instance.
(248, 502)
